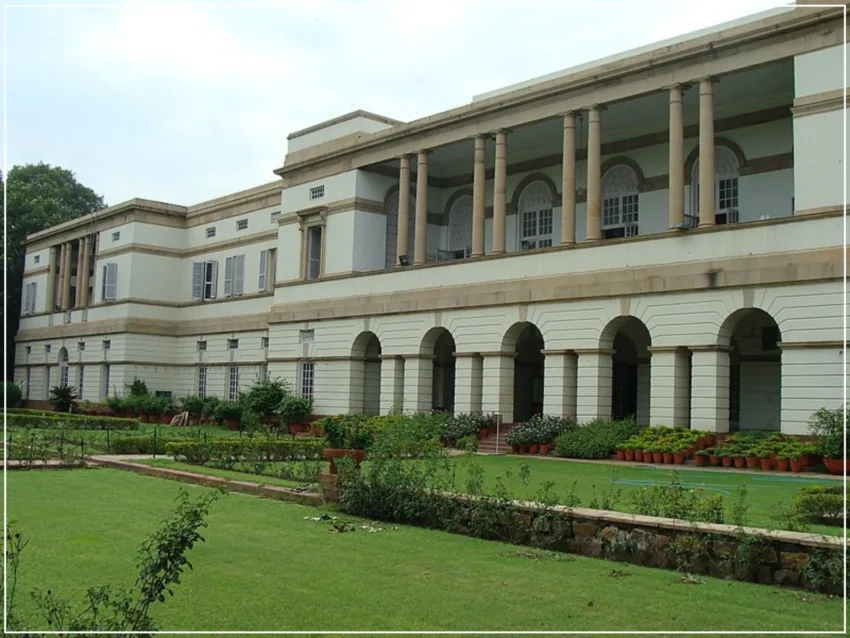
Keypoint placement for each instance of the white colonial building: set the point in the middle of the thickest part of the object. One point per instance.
(659, 233)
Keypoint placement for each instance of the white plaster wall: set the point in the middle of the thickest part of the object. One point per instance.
(340, 245)
(337, 187)
(40, 291)
(327, 133)
(811, 379)
(374, 186)
(153, 235)
(369, 235)
(226, 229)
(125, 276)
(820, 71)
(820, 172)
(43, 256)
(153, 277)
(289, 252)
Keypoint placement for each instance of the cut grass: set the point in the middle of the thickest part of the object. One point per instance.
(264, 567)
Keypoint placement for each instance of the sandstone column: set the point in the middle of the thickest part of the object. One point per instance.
(52, 268)
(418, 383)
(568, 187)
(497, 384)
(677, 159)
(403, 226)
(669, 395)
(78, 300)
(500, 193)
(559, 383)
(478, 196)
(392, 384)
(421, 238)
(594, 174)
(707, 202)
(86, 268)
(66, 276)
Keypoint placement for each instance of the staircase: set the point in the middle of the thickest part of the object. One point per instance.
(488, 445)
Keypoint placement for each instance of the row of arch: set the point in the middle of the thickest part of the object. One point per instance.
(536, 195)
(751, 334)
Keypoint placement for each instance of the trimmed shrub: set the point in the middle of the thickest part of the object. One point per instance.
(143, 444)
(224, 452)
(595, 440)
(11, 395)
(35, 419)
(819, 504)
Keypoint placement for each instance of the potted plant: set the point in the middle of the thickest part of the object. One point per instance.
(809, 453)
(229, 413)
(783, 459)
(347, 435)
(621, 452)
(713, 456)
(679, 451)
(725, 457)
(752, 458)
(657, 454)
(194, 406)
(63, 397)
(828, 428)
(700, 457)
(764, 454)
(209, 413)
(293, 411)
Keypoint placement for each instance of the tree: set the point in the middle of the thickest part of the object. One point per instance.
(38, 196)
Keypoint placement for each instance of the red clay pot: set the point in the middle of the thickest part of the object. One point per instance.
(699, 444)
(714, 460)
(232, 424)
(708, 440)
(667, 457)
(533, 449)
(629, 455)
(740, 462)
(621, 455)
(782, 465)
(679, 459)
(797, 466)
(726, 461)
(331, 454)
(752, 462)
(523, 448)
(514, 448)
(836, 466)
(766, 464)
(647, 457)
(544, 449)
(658, 457)
(638, 455)
(699, 460)
(482, 433)
(808, 460)
(297, 428)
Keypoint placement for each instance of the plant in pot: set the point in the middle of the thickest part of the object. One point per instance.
(679, 451)
(347, 435)
(165, 409)
(194, 405)
(293, 411)
(649, 452)
(621, 451)
(809, 453)
(783, 458)
(512, 439)
(701, 457)
(725, 457)
(229, 413)
(713, 456)
(764, 454)
(828, 427)
(63, 397)
(209, 413)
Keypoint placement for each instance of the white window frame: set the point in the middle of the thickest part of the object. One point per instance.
(232, 383)
(317, 192)
(210, 231)
(64, 368)
(264, 343)
(460, 228)
(536, 217)
(204, 280)
(274, 217)
(202, 381)
(727, 173)
(307, 336)
(307, 379)
(241, 224)
(30, 297)
(262, 284)
(621, 201)
(314, 252)
(80, 376)
(109, 285)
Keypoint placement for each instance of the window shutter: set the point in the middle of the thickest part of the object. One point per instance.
(214, 279)
(228, 276)
(111, 283)
(264, 258)
(34, 295)
(28, 299)
(238, 275)
(103, 284)
(197, 280)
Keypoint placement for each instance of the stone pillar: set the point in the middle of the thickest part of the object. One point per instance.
(52, 267)
(468, 372)
(710, 388)
(497, 384)
(593, 384)
(594, 174)
(811, 378)
(392, 384)
(418, 383)
(676, 169)
(707, 204)
(479, 184)
(421, 237)
(670, 385)
(86, 268)
(78, 300)
(403, 209)
(568, 185)
(500, 193)
(66, 277)
(559, 383)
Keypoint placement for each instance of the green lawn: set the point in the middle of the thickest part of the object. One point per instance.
(264, 567)
(268, 478)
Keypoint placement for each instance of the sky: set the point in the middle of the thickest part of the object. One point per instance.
(185, 103)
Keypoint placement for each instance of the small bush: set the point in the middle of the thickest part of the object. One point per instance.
(819, 504)
(143, 444)
(468, 444)
(596, 440)
(35, 419)
(226, 452)
(11, 395)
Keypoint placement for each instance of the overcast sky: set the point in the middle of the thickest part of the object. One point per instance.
(187, 103)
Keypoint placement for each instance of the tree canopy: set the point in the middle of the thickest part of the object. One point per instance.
(38, 196)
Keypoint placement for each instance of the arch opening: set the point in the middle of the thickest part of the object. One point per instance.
(620, 202)
(726, 176)
(629, 338)
(528, 372)
(460, 229)
(443, 378)
(365, 389)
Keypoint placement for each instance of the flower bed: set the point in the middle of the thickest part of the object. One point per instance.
(757, 451)
(661, 444)
(538, 434)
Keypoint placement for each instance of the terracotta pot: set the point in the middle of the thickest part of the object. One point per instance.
(533, 449)
(647, 457)
(658, 457)
(317, 431)
(482, 433)
(523, 448)
(699, 444)
(667, 457)
(726, 461)
(782, 465)
(691, 451)
(752, 462)
(545, 449)
(331, 454)
(679, 458)
(766, 464)
(714, 460)
(708, 440)
(629, 455)
(808, 460)
(514, 448)
(298, 428)
(638, 454)
(797, 466)
(740, 462)
(699, 460)
(621, 455)
(835, 466)
(232, 424)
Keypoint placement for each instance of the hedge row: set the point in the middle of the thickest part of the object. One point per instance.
(37, 419)
(269, 449)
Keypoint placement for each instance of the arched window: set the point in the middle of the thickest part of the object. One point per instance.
(460, 228)
(392, 229)
(63, 367)
(620, 203)
(726, 170)
(535, 216)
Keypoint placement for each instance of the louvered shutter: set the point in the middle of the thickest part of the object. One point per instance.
(197, 280)
(214, 279)
(238, 275)
(264, 258)
(228, 277)
(111, 281)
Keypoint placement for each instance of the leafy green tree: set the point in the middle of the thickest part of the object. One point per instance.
(38, 196)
